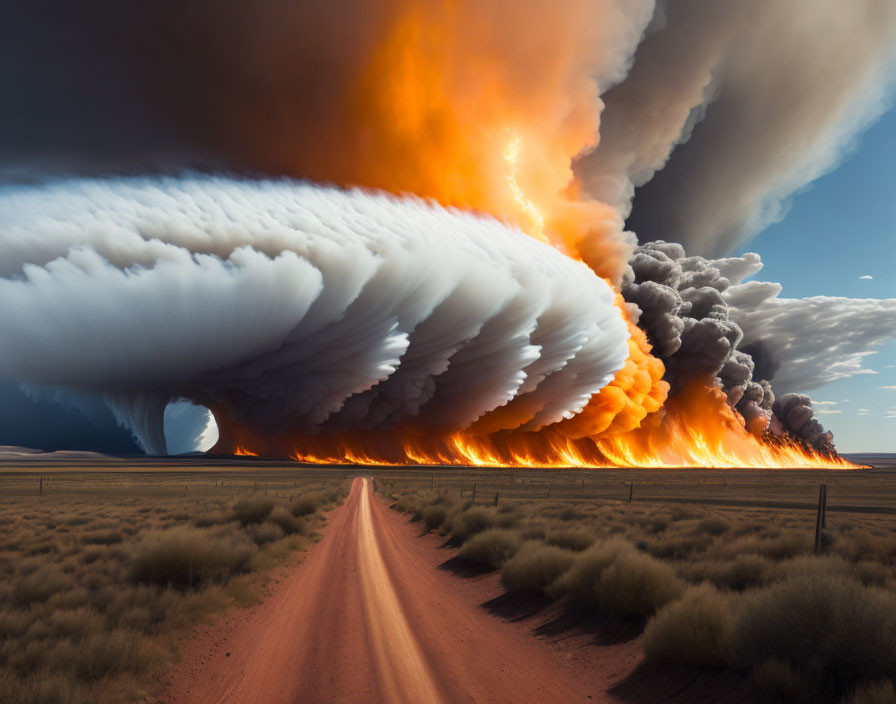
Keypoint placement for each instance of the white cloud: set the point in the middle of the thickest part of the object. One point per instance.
(298, 301)
(814, 340)
(824, 403)
(828, 411)
(866, 277)
(889, 388)
(863, 411)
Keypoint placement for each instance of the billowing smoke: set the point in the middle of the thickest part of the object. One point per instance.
(710, 326)
(730, 107)
(291, 308)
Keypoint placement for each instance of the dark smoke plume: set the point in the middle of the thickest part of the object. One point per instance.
(707, 324)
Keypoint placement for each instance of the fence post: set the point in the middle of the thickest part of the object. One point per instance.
(474, 492)
(549, 490)
(583, 486)
(41, 486)
(824, 508)
(819, 518)
(497, 496)
(631, 489)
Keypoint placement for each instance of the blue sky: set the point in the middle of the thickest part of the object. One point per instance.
(839, 229)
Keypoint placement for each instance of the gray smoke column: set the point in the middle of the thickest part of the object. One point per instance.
(292, 308)
(730, 107)
(707, 324)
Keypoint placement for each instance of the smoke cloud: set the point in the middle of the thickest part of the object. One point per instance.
(291, 308)
(707, 324)
(731, 107)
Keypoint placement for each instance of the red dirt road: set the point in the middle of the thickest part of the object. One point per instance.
(367, 618)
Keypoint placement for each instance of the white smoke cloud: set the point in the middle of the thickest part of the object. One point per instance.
(813, 341)
(291, 307)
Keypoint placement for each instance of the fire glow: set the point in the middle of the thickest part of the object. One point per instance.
(697, 430)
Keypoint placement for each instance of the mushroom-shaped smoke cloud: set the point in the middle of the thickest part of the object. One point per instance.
(293, 308)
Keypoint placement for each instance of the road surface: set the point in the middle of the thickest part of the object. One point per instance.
(366, 617)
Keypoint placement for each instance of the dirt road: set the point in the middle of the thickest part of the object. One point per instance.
(367, 618)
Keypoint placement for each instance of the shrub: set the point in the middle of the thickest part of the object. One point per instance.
(738, 574)
(252, 510)
(578, 582)
(40, 585)
(185, 557)
(534, 567)
(433, 516)
(305, 505)
(105, 653)
(882, 692)
(713, 525)
(636, 585)
(831, 627)
(289, 524)
(780, 678)
(263, 533)
(471, 521)
(696, 630)
(408, 504)
(570, 538)
(493, 546)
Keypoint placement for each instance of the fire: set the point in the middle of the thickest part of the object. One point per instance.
(241, 451)
(426, 108)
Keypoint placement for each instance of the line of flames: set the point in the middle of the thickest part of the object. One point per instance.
(559, 453)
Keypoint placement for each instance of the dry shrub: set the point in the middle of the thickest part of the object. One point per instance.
(305, 505)
(74, 623)
(534, 531)
(289, 524)
(535, 567)
(433, 516)
(570, 538)
(255, 509)
(780, 678)
(405, 504)
(831, 627)
(264, 533)
(493, 546)
(713, 525)
(812, 566)
(881, 692)
(40, 585)
(578, 582)
(697, 629)
(471, 521)
(738, 574)
(636, 585)
(104, 653)
(186, 557)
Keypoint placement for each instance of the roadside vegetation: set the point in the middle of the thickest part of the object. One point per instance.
(711, 587)
(102, 577)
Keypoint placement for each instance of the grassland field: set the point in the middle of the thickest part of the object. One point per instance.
(106, 564)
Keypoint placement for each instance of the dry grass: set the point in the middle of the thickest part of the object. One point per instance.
(493, 546)
(535, 567)
(102, 577)
(725, 587)
(697, 629)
